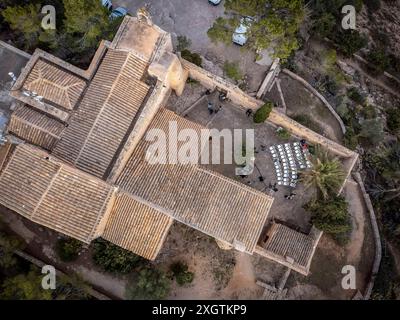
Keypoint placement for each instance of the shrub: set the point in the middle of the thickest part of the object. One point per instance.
(369, 112)
(378, 58)
(68, 249)
(181, 273)
(232, 71)
(393, 119)
(263, 113)
(330, 215)
(191, 57)
(114, 259)
(349, 42)
(372, 129)
(283, 133)
(355, 95)
(183, 43)
(150, 284)
(350, 138)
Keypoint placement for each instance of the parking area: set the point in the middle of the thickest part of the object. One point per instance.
(193, 21)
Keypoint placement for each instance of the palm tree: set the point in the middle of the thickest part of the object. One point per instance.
(326, 175)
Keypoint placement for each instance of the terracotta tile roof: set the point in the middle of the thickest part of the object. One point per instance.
(55, 84)
(53, 194)
(105, 114)
(35, 127)
(137, 227)
(204, 200)
(290, 247)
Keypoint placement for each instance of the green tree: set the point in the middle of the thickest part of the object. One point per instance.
(150, 284)
(379, 60)
(393, 119)
(26, 21)
(25, 287)
(181, 273)
(330, 215)
(8, 244)
(349, 42)
(326, 175)
(86, 22)
(275, 25)
(68, 249)
(263, 112)
(194, 58)
(325, 24)
(114, 259)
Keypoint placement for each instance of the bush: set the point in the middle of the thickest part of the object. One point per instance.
(68, 249)
(349, 42)
(183, 43)
(263, 113)
(191, 57)
(283, 133)
(378, 58)
(181, 273)
(393, 119)
(150, 284)
(232, 71)
(114, 259)
(355, 95)
(330, 215)
(350, 138)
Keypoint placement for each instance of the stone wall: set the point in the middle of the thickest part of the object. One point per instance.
(377, 238)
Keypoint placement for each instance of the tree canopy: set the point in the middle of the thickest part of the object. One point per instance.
(150, 284)
(326, 175)
(275, 25)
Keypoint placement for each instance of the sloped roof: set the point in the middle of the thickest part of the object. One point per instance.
(105, 114)
(204, 200)
(35, 127)
(55, 84)
(53, 194)
(137, 227)
(289, 247)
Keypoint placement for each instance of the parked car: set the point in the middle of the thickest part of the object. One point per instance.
(240, 35)
(214, 2)
(107, 4)
(118, 13)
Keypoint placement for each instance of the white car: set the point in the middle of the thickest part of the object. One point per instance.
(240, 35)
(107, 4)
(118, 13)
(214, 2)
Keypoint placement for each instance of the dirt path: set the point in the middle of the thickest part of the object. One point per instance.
(243, 282)
(358, 213)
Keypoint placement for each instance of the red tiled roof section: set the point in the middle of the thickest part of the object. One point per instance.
(106, 112)
(55, 84)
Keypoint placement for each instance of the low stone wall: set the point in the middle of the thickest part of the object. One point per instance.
(377, 238)
(310, 88)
